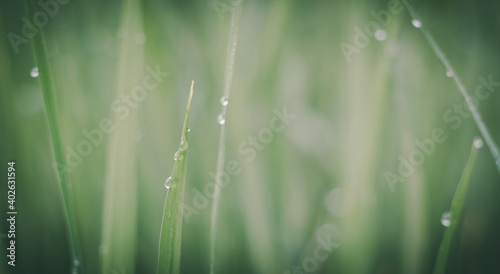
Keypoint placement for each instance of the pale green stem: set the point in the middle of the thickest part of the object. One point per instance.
(228, 77)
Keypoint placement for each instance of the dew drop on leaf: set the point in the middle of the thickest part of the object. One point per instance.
(34, 72)
(416, 23)
(224, 101)
(446, 219)
(167, 182)
(221, 119)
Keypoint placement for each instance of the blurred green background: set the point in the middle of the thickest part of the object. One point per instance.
(353, 122)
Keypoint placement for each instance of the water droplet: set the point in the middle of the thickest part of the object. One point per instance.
(176, 155)
(446, 219)
(221, 119)
(498, 163)
(189, 129)
(380, 35)
(184, 144)
(76, 263)
(34, 72)
(167, 182)
(449, 73)
(224, 101)
(416, 23)
(478, 142)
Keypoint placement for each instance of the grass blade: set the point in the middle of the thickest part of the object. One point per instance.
(450, 70)
(228, 77)
(119, 219)
(169, 257)
(456, 209)
(50, 101)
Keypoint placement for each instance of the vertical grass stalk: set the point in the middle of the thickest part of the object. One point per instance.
(169, 253)
(456, 208)
(451, 71)
(50, 101)
(228, 78)
(119, 219)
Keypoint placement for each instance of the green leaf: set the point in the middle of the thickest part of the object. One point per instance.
(169, 257)
(49, 97)
(228, 78)
(119, 218)
(481, 125)
(456, 209)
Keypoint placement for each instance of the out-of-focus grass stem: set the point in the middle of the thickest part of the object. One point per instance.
(228, 78)
(450, 71)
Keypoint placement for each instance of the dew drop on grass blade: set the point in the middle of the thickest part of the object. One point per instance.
(43, 72)
(450, 218)
(169, 256)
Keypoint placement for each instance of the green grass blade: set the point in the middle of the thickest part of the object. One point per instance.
(169, 257)
(50, 101)
(228, 77)
(456, 209)
(449, 68)
(119, 219)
